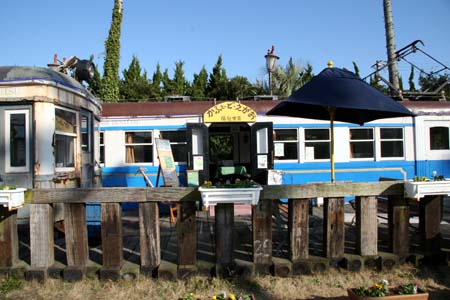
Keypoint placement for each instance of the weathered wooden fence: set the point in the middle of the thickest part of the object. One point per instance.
(299, 262)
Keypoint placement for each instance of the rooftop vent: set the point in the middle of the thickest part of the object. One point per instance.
(265, 97)
(177, 99)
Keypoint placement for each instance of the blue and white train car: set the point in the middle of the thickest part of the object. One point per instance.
(231, 138)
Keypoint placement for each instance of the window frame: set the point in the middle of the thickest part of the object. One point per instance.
(305, 142)
(381, 140)
(8, 167)
(373, 141)
(160, 133)
(101, 147)
(430, 137)
(296, 141)
(73, 135)
(151, 144)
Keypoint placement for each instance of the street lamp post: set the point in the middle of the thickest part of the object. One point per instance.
(271, 61)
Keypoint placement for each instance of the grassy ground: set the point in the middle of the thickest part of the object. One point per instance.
(330, 285)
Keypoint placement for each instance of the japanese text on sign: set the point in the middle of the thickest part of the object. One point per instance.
(229, 112)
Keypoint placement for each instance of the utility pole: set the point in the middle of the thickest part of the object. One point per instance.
(390, 44)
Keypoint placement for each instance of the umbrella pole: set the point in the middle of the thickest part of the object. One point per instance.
(332, 143)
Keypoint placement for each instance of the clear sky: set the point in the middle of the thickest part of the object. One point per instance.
(197, 31)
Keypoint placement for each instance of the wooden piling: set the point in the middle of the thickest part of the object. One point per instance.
(262, 236)
(77, 249)
(112, 248)
(333, 225)
(149, 238)
(366, 226)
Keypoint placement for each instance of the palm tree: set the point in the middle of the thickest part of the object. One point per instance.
(290, 78)
(390, 44)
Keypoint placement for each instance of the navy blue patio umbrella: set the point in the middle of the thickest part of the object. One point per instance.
(339, 95)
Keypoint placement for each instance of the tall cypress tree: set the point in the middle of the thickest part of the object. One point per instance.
(179, 82)
(167, 89)
(200, 84)
(155, 88)
(135, 85)
(109, 90)
(218, 81)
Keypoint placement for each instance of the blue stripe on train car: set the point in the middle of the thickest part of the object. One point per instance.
(127, 176)
(360, 171)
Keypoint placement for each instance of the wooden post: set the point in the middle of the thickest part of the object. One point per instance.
(187, 239)
(298, 228)
(366, 226)
(398, 219)
(9, 242)
(333, 227)
(77, 249)
(41, 241)
(224, 235)
(112, 248)
(149, 240)
(262, 236)
(429, 223)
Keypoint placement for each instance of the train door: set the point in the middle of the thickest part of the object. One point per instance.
(261, 151)
(198, 149)
(87, 148)
(15, 146)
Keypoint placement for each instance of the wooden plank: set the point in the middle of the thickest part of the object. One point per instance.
(292, 191)
(187, 234)
(333, 228)
(149, 233)
(366, 225)
(298, 228)
(112, 248)
(429, 223)
(111, 195)
(262, 236)
(76, 234)
(224, 233)
(41, 236)
(398, 220)
(9, 242)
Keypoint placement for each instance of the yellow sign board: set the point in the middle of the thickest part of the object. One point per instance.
(229, 112)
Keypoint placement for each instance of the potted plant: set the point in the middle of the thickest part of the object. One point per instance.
(240, 192)
(382, 290)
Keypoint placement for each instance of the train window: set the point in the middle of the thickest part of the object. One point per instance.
(17, 141)
(439, 138)
(391, 142)
(102, 147)
(317, 144)
(65, 134)
(361, 143)
(138, 147)
(177, 143)
(286, 144)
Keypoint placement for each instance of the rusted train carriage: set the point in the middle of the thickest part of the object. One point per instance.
(48, 136)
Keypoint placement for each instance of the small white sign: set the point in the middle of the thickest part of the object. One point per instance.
(198, 163)
(279, 150)
(309, 153)
(262, 161)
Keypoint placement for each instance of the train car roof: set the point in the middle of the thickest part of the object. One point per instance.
(143, 109)
(193, 108)
(20, 74)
